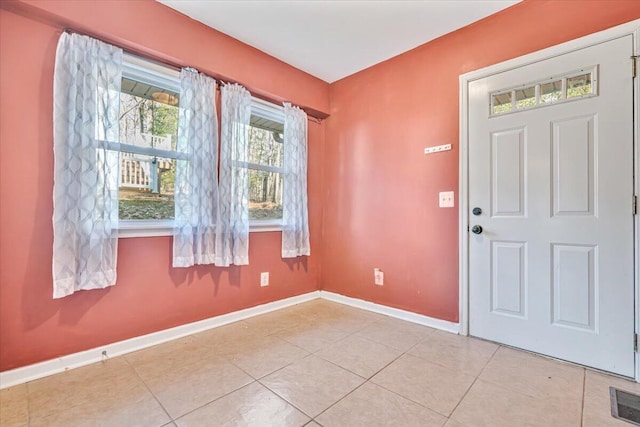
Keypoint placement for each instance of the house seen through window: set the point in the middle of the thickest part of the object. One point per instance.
(149, 112)
(148, 136)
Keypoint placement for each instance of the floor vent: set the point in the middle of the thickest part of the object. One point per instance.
(625, 406)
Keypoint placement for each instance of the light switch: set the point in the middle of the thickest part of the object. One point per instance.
(446, 199)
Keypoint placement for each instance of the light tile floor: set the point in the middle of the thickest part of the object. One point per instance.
(319, 363)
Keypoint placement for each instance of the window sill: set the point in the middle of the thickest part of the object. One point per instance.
(133, 228)
(262, 225)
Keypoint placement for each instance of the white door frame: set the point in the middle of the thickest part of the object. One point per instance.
(632, 28)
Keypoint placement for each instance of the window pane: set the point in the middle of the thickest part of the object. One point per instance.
(526, 98)
(579, 86)
(146, 187)
(266, 142)
(550, 92)
(148, 118)
(148, 115)
(265, 195)
(501, 103)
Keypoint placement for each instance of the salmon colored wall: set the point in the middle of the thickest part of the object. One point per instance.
(381, 191)
(366, 172)
(149, 295)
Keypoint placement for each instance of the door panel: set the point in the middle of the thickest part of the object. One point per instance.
(574, 282)
(552, 269)
(573, 170)
(507, 167)
(508, 278)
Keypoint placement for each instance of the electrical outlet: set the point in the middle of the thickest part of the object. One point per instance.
(446, 199)
(264, 279)
(378, 277)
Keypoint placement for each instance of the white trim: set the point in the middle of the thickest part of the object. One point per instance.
(150, 72)
(259, 225)
(267, 110)
(259, 167)
(562, 78)
(87, 357)
(408, 316)
(550, 52)
(636, 188)
(463, 214)
(630, 28)
(144, 228)
(150, 228)
(83, 358)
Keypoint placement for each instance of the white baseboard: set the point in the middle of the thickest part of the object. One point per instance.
(393, 312)
(83, 358)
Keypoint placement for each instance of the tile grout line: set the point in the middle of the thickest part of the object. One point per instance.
(225, 359)
(338, 366)
(28, 404)
(286, 400)
(369, 380)
(54, 413)
(473, 383)
(410, 399)
(394, 348)
(148, 389)
(171, 418)
(584, 388)
(339, 400)
(212, 401)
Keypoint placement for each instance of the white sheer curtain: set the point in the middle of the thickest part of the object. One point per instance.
(196, 185)
(295, 218)
(86, 94)
(232, 244)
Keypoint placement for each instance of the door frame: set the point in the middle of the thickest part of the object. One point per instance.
(631, 28)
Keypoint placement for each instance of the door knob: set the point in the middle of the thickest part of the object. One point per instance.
(476, 229)
(476, 211)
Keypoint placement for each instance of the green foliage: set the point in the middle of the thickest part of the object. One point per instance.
(164, 119)
(160, 208)
(167, 179)
(265, 187)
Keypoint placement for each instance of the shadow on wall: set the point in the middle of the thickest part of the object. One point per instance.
(186, 276)
(296, 263)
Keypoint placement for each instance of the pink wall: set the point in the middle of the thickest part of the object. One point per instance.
(381, 191)
(372, 193)
(149, 295)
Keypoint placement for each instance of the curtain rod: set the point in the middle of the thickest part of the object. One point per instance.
(179, 66)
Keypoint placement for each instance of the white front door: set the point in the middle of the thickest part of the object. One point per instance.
(551, 170)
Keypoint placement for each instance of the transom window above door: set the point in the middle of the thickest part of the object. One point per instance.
(570, 86)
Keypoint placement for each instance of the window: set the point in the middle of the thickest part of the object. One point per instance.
(147, 156)
(567, 87)
(148, 133)
(265, 164)
(148, 122)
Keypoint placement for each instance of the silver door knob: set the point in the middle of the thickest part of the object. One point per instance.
(476, 229)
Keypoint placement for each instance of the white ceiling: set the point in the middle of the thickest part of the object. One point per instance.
(332, 39)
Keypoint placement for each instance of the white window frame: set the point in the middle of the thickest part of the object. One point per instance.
(139, 69)
(142, 70)
(592, 70)
(266, 110)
